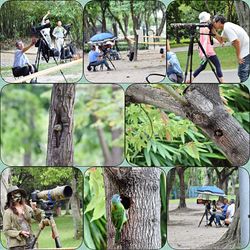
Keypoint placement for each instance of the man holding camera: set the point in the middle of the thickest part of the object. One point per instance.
(239, 39)
(17, 220)
(22, 66)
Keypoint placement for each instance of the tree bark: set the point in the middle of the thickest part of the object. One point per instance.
(5, 181)
(139, 189)
(67, 207)
(135, 26)
(163, 21)
(231, 238)
(243, 13)
(75, 206)
(202, 105)
(60, 133)
(180, 171)
(170, 182)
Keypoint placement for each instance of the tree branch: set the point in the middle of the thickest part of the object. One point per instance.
(142, 93)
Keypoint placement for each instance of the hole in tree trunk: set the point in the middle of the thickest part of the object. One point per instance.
(218, 133)
(126, 202)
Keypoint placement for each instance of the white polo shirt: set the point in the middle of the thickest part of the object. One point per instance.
(20, 59)
(231, 210)
(232, 32)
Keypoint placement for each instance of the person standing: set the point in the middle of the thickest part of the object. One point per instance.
(209, 50)
(59, 32)
(17, 219)
(239, 39)
(46, 31)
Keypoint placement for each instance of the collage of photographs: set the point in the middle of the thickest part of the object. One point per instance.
(125, 124)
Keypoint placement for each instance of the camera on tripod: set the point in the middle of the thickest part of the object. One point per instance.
(37, 30)
(48, 198)
(191, 26)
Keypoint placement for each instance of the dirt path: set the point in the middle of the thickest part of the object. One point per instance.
(149, 61)
(183, 230)
(72, 74)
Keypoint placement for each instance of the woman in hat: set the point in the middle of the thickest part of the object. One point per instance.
(17, 219)
(208, 47)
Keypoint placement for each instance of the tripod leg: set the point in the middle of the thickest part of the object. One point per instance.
(60, 70)
(55, 232)
(111, 62)
(201, 219)
(191, 58)
(204, 53)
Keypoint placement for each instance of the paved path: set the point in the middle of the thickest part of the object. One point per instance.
(230, 76)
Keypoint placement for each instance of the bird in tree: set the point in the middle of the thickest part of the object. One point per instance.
(118, 215)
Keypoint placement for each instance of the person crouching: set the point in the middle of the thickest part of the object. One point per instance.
(21, 65)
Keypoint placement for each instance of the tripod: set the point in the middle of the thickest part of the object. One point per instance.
(109, 59)
(205, 214)
(190, 56)
(48, 220)
(46, 57)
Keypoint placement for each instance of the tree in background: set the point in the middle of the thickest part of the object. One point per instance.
(129, 16)
(17, 18)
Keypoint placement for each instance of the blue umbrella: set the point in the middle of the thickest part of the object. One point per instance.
(210, 190)
(102, 37)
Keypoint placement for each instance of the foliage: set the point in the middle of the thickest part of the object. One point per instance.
(95, 234)
(94, 213)
(157, 138)
(25, 113)
(17, 18)
(187, 11)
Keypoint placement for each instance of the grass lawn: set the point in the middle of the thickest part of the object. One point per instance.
(226, 56)
(66, 231)
(193, 200)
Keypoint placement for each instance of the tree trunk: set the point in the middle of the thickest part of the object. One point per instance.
(243, 13)
(244, 206)
(139, 189)
(207, 179)
(75, 206)
(231, 238)
(180, 171)
(202, 105)
(163, 22)
(67, 202)
(5, 183)
(60, 133)
(135, 26)
(170, 182)
(27, 159)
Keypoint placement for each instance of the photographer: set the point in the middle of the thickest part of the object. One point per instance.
(206, 44)
(239, 39)
(219, 216)
(46, 31)
(17, 220)
(59, 32)
(22, 66)
(95, 59)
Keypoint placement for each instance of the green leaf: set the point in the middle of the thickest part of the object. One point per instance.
(147, 157)
(192, 150)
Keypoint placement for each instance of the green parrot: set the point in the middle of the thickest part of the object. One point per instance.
(118, 215)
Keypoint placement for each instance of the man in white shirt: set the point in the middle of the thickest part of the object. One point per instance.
(239, 39)
(21, 65)
(230, 212)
